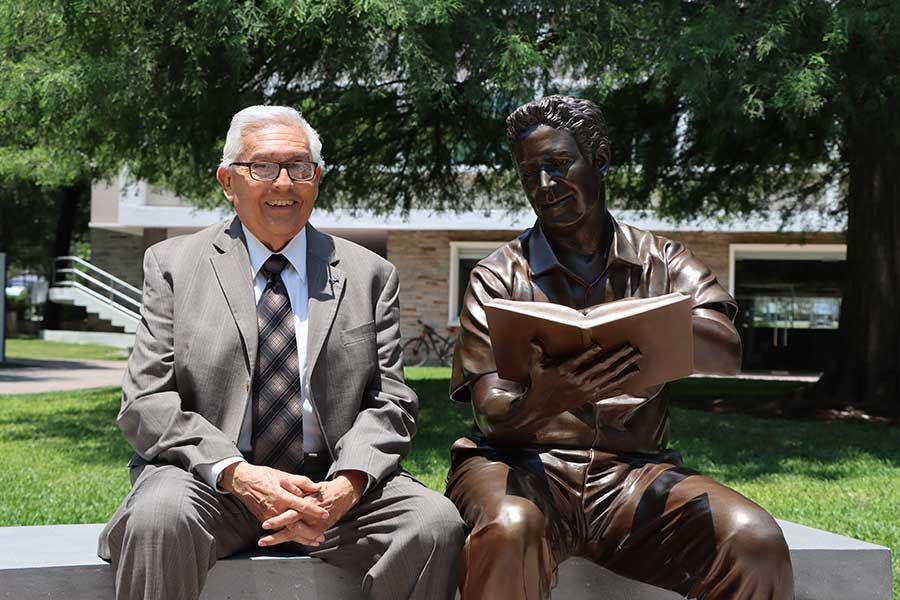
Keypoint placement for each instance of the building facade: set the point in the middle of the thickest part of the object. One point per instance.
(787, 276)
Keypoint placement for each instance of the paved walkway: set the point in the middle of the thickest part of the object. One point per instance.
(30, 376)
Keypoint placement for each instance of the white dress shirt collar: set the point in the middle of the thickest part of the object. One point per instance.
(295, 252)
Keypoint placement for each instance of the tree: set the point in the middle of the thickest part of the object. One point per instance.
(716, 108)
(777, 102)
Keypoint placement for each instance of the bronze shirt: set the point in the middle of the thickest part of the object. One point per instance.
(639, 265)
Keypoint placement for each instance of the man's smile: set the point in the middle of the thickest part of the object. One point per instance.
(549, 201)
(280, 203)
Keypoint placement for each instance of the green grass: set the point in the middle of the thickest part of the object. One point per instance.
(42, 349)
(62, 460)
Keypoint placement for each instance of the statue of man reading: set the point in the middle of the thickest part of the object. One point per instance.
(567, 465)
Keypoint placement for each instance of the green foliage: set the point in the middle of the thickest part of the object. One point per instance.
(28, 222)
(714, 107)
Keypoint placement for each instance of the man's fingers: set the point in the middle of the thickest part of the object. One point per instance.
(298, 484)
(297, 532)
(628, 363)
(626, 354)
(621, 374)
(303, 505)
(586, 358)
(283, 520)
(626, 375)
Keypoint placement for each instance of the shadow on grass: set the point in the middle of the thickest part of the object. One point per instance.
(81, 425)
(738, 447)
(747, 448)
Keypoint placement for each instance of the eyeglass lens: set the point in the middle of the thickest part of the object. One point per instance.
(269, 171)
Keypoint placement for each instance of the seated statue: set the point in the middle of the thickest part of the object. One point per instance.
(567, 465)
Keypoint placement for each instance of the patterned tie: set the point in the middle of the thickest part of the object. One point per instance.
(277, 404)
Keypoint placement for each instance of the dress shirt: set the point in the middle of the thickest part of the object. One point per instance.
(294, 278)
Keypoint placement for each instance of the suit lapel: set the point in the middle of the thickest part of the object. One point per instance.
(326, 286)
(232, 268)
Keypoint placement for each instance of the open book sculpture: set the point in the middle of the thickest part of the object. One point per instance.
(660, 328)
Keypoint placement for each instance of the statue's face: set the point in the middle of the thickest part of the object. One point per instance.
(564, 188)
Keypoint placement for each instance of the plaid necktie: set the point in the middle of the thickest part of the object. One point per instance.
(277, 404)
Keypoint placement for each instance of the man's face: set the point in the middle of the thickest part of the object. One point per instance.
(563, 187)
(273, 211)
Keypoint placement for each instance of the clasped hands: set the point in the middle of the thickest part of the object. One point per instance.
(293, 507)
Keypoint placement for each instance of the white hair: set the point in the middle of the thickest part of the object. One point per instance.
(259, 116)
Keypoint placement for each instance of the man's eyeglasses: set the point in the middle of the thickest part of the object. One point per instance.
(266, 170)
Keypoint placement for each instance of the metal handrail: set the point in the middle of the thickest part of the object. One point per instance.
(99, 283)
(100, 271)
(125, 311)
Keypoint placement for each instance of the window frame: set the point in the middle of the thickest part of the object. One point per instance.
(458, 251)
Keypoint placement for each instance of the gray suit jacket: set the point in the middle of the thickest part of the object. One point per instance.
(190, 373)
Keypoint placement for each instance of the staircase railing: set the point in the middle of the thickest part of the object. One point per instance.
(74, 272)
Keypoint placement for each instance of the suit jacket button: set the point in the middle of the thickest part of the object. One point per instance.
(248, 386)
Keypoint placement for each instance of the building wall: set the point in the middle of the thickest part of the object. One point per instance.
(712, 247)
(122, 254)
(118, 253)
(422, 259)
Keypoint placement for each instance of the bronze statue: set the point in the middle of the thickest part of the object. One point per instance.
(564, 466)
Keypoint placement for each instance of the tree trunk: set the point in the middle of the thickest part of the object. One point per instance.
(866, 374)
(68, 204)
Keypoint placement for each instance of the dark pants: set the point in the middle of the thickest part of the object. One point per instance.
(649, 519)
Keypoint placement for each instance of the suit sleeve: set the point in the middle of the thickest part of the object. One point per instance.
(151, 417)
(717, 346)
(381, 434)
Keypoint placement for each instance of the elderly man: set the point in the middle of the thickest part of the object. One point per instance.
(567, 465)
(265, 397)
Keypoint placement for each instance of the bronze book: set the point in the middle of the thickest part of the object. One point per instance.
(660, 328)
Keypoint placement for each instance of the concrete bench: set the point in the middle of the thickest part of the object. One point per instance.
(60, 562)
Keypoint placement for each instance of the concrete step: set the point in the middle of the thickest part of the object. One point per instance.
(103, 310)
(59, 562)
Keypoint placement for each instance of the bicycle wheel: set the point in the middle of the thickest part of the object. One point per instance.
(447, 356)
(415, 352)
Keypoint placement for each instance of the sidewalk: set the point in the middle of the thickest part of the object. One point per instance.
(30, 376)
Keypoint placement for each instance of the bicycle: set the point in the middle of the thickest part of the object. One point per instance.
(429, 341)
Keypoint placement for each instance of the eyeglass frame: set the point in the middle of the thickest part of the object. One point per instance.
(281, 167)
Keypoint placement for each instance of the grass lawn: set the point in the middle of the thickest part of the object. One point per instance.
(37, 348)
(62, 460)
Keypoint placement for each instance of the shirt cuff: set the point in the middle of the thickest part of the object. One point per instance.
(210, 472)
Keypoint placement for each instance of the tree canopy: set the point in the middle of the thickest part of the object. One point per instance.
(712, 106)
(715, 108)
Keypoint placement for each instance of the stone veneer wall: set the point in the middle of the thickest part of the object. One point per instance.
(422, 259)
(122, 254)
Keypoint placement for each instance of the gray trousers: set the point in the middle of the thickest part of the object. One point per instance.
(402, 538)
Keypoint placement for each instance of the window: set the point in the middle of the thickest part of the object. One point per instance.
(463, 258)
(789, 303)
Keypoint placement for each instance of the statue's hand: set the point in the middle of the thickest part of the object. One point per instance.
(587, 376)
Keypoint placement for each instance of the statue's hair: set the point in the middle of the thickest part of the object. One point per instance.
(257, 117)
(582, 118)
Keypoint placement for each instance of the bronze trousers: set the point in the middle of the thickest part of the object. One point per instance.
(646, 518)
